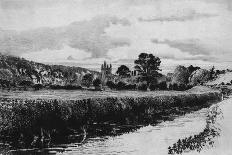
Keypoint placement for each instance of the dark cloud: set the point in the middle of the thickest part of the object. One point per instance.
(193, 15)
(192, 46)
(89, 36)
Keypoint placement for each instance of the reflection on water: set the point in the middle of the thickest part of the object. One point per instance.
(203, 139)
(195, 131)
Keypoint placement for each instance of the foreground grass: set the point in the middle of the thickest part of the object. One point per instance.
(31, 120)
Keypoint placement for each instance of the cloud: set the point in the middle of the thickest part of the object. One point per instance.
(189, 16)
(86, 35)
(16, 43)
(191, 46)
(91, 37)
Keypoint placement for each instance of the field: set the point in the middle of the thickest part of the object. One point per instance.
(84, 94)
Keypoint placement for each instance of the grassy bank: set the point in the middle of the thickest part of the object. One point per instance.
(29, 121)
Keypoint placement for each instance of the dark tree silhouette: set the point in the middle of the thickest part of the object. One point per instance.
(147, 66)
(191, 69)
(123, 71)
(96, 83)
(87, 80)
(212, 73)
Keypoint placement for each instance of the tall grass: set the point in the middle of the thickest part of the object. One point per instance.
(27, 117)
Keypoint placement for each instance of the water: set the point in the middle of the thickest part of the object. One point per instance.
(157, 139)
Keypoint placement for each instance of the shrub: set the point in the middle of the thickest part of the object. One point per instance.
(162, 85)
(38, 86)
(97, 83)
(189, 86)
(170, 86)
(175, 86)
(130, 87)
(142, 86)
(153, 87)
(26, 83)
(121, 85)
(182, 87)
(67, 87)
(111, 84)
(71, 87)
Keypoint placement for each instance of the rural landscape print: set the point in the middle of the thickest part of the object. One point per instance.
(115, 77)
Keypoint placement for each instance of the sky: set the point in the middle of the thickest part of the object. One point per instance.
(87, 32)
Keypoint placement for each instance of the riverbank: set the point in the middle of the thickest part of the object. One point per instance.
(222, 143)
(41, 122)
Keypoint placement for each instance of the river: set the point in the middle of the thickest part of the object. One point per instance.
(175, 136)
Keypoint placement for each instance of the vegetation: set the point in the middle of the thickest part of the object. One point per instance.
(15, 71)
(147, 66)
(111, 84)
(191, 69)
(180, 76)
(25, 119)
(97, 83)
(123, 71)
(206, 138)
(87, 80)
(199, 76)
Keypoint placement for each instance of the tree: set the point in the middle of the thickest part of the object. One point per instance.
(147, 66)
(212, 73)
(123, 71)
(191, 69)
(87, 80)
(199, 76)
(111, 84)
(97, 83)
(180, 75)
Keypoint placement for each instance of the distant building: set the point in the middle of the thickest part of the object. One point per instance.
(106, 72)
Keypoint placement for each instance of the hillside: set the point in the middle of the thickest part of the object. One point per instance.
(17, 71)
(226, 78)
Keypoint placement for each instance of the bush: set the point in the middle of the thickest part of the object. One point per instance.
(153, 87)
(130, 87)
(121, 85)
(111, 84)
(182, 87)
(26, 83)
(189, 86)
(72, 87)
(67, 87)
(96, 83)
(175, 86)
(162, 85)
(38, 86)
(142, 86)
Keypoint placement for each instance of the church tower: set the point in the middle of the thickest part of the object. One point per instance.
(106, 72)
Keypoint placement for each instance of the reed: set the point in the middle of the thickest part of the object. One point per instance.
(28, 117)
